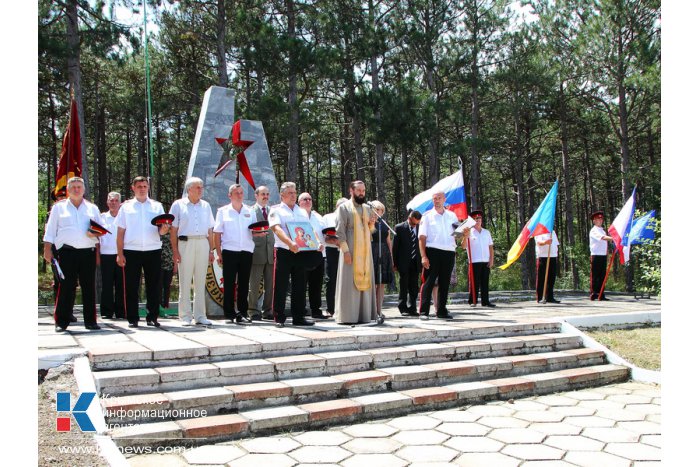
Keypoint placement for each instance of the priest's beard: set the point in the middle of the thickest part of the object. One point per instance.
(359, 199)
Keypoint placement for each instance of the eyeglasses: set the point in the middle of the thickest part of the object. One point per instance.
(305, 199)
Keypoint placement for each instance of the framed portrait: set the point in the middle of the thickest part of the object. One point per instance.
(303, 235)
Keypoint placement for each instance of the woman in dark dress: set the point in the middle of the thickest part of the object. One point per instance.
(381, 257)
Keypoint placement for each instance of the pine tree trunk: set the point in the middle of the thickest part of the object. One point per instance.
(73, 65)
(221, 43)
(293, 129)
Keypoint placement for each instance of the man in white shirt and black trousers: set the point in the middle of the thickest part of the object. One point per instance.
(112, 297)
(437, 251)
(138, 248)
(481, 254)
(67, 229)
(547, 242)
(193, 249)
(598, 244)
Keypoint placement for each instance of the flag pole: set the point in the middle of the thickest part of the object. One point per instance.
(470, 269)
(546, 275)
(602, 288)
(148, 91)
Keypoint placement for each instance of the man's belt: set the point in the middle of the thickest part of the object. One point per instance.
(184, 238)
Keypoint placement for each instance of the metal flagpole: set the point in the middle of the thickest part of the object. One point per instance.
(148, 92)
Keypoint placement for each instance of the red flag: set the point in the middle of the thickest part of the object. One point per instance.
(71, 162)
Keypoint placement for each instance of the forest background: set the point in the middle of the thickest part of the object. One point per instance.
(389, 92)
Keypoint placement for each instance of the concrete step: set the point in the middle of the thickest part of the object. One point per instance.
(263, 370)
(295, 391)
(230, 342)
(351, 409)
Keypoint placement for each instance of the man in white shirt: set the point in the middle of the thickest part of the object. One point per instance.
(289, 262)
(263, 261)
(138, 249)
(332, 256)
(234, 246)
(314, 277)
(112, 297)
(481, 254)
(547, 246)
(67, 229)
(598, 243)
(437, 251)
(193, 249)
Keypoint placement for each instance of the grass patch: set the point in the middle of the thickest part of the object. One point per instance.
(640, 346)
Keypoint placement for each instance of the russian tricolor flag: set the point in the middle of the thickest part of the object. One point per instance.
(542, 221)
(620, 228)
(455, 199)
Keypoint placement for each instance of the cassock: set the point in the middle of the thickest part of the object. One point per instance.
(355, 299)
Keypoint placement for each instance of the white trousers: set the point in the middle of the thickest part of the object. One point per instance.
(194, 260)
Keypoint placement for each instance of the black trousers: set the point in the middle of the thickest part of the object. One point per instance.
(166, 279)
(78, 266)
(314, 279)
(408, 287)
(441, 264)
(481, 282)
(599, 264)
(332, 255)
(289, 265)
(112, 297)
(541, 269)
(236, 269)
(149, 263)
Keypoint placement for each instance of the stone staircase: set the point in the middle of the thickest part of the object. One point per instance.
(255, 380)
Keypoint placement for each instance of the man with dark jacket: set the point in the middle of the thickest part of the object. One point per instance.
(407, 263)
(263, 261)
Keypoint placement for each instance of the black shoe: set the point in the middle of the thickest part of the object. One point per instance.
(61, 328)
(553, 301)
(319, 315)
(134, 324)
(73, 319)
(302, 322)
(279, 325)
(489, 305)
(594, 297)
(605, 299)
(107, 317)
(153, 323)
(424, 317)
(255, 318)
(268, 317)
(92, 327)
(445, 316)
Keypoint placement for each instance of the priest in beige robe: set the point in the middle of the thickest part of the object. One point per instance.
(355, 300)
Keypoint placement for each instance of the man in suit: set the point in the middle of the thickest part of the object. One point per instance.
(407, 262)
(263, 261)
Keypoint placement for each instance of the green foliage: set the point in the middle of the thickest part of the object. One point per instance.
(648, 258)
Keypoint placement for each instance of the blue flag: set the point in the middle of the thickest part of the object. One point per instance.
(642, 230)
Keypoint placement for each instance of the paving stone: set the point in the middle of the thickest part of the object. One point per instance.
(270, 340)
(213, 454)
(391, 356)
(317, 465)
(410, 373)
(258, 367)
(546, 464)
(517, 435)
(475, 390)
(431, 395)
(135, 402)
(383, 402)
(332, 409)
(420, 437)
(654, 418)
(503, 422)
(533, 452)
(291, 365)
(590, 421)
(313, 385)
(118, 352)
(539, 416)
(322, 438)
(643, 428)
(432, 350)
(200, 398)
(363, 379)
(372, 446)
(504, 343)
(601, 404)
(611, 435)
(258, 460)
(620, 415)
(319, 454)
(591, 458)
(414, 422)
(217, 425)
(427, 453)
(370, 430)
(556, 401)
(486, 459)
(492, 365)
(574, 443)
(222, 344)
(275, 417)
(270, 445)
(524, 405)
(142, 432)
(131, 377)
(584, 395)
(365, 460)
(630, 399)
(413, 335)
(371, 338)
(272, 389)
(573, 411)
(464, 429)
(467, 349)
(652, 440)
(351, 359)
(453, 369)
(646, 409)
(158, 460)
(473, 444)
(433, 464)
(608, 390)
(455, 416)
(556, 428)
(201, 371)
(492, 410)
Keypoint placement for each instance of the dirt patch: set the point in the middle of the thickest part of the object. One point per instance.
(73, 447)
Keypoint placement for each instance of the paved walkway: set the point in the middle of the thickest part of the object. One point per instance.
(607, 426)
